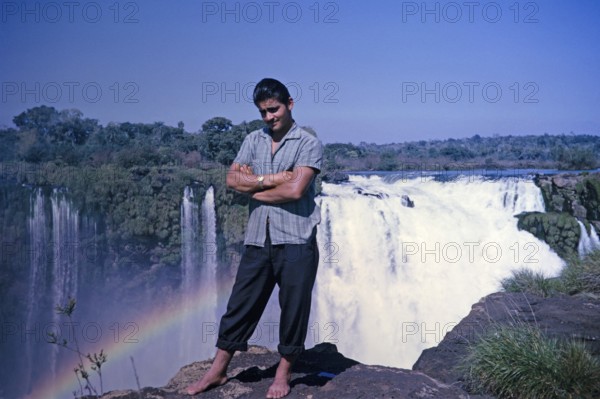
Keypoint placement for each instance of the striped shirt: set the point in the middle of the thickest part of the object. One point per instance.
(291, 222)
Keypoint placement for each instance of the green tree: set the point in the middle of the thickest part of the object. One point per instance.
(220, 140)
(42, 118)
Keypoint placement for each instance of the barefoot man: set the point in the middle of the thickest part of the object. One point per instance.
(276, 167)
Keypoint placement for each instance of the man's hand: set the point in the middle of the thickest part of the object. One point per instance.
(246, 169)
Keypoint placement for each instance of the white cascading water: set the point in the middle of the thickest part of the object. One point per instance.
(199, 272)
(65, 245)
(393, 279)
(587, 242)
(189, 266)
(208, 275)
(37, 279)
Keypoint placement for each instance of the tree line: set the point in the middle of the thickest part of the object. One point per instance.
(45, 134)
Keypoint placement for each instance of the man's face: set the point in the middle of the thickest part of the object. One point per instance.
(276, 115)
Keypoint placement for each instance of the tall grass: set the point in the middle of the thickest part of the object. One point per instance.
(579, 276)
(525, 280)
(583, 275)
(518, 361)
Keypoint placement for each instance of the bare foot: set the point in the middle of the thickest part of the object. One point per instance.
(279, 388)
(205, 383)
(281, 383)
(216, 375)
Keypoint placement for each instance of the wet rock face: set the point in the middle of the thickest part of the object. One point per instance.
(407, 202)
(559, 230)
(335, 177)
(567, 198)
(578, 195)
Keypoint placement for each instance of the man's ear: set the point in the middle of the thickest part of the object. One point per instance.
(290, 104)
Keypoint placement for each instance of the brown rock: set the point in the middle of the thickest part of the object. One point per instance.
(562, 317)
(320, 373)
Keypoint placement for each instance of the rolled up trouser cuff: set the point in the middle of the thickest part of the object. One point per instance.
(290, 350)
(232, 346)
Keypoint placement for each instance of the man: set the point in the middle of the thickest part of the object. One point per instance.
(276, 167)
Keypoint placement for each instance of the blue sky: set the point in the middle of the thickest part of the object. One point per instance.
(384, 71)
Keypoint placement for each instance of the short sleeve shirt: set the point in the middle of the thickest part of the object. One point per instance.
(290, 222)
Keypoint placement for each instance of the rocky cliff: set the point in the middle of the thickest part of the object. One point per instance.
(568, 198)
(322, 372)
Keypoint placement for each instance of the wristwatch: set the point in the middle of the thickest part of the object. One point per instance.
(261, 181)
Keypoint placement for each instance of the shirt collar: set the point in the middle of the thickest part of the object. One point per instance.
(293, 133)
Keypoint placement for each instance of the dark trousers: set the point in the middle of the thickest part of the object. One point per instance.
(293, 267)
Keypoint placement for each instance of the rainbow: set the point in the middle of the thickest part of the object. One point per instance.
(154, 324)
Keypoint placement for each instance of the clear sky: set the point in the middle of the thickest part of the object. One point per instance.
(380, 71)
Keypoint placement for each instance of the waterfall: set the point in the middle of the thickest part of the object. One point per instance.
(65, 245)
(209, 255)
(587, 242)
(189, 264)
(37, 279)
(198, 273)
(54, 255)
(394, 279)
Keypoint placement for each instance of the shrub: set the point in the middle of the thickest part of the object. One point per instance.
(520, 362)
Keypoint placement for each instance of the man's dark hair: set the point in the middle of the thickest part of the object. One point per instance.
(271, 88)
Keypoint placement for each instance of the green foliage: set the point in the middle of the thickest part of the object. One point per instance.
(525, 280)
(220, 140)
(520, 362)
(570, 152)
(576, 158)
(337, 155)
(388, 161)
(42, 118)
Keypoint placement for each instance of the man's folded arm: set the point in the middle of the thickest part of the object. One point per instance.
(242, 178)
(294, 186)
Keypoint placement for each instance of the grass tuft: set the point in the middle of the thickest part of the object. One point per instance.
(520, 362)
(582, 275)
(579, 276)
(525, 280)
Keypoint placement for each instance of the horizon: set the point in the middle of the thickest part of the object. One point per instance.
(382, 73)
(363, 142)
